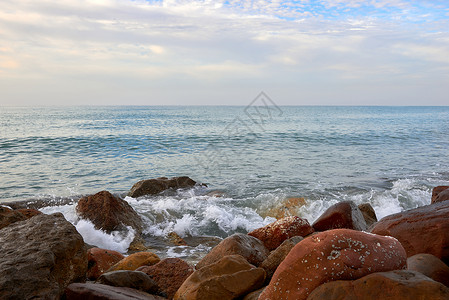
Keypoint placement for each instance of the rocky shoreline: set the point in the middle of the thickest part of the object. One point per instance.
(345, 254)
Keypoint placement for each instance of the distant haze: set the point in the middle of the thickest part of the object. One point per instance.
(125, 52)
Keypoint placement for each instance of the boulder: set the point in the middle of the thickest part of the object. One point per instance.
(251, 248)
(368, 214)
(430, 266)
(440, 193)
(169, 274)
(158, 185)
(135, 261)
(344, 214)
(421, 230)
(95, 291)
(285, 208)
(9, 216)
(40, 257)
(108, 212)
(339, 254)
(229, 278)
(394, 285)
(254, 295)
(131, 279)
(29, 212)
(100, 260)
(273, 234)
(175, 239)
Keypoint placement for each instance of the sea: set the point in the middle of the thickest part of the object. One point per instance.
(252, 158)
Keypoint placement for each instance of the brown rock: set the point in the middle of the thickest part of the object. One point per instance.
(286, 208)
(155, 186)
(100, 260)
(94, 291)
(254, 295)
(135, 261)
(429, 265)
(394, 285)
(436, 191)
(368, 214)
(229, 278)
(278, 255)
(175, 239)
(29, 212)
(9, 216)
(272, 235)
(108, 212)
(332, 255)
(421, 230)
(169, 274)
(341, 215)
(252, 249)
(131, 279)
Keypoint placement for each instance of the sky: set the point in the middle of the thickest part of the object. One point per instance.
(182, 52)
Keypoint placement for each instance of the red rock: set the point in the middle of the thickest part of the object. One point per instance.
(229, 278)
(341, 215)
(430, 266)
(135, 261)
(421, 230)
(9, 216)
(273, 234)
(368, 213)
(100, 260)
(394, 285)
(169, 274)
(251, 248)
(108, 212)
(440, 193)
(94, 291)
(155, 186)
(339, 254)
(29, 212)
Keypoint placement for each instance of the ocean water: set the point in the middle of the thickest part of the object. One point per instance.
(256, 155)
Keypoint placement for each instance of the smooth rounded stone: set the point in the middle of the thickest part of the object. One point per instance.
(339, 254)
(229, 278)
(132, 279)
(40, 257)
(251, 248)
(273, 234)
(9, 216)
(158, 185)
(437, 190)
(254, 295)
(95, 291)
(394, 285)
(169, 274)
(135, 261)
(101, 260)
(368, 213)
(108, 213)
(421, 230)
(429, 265)
(344, 214)
(278, 255)
(285, 208)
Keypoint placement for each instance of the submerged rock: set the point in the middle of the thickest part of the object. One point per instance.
(158, 185)
(100, 260)
(345, 214)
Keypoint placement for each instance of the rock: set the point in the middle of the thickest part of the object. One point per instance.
(430, 266)
(254, 295)
(40, 257)
(108, 212)
(339, 254)
(273, 234)
(131, 279)
(155, 186)
(169, 274)
(29, 212)
(421, 230)
(341, 215)
(9, 216)
(100, 260)
(137, 245)
(229, 278)
(95, 291)
(286, 208)
(440, 193)
(394, 285)
(135, 261)
(251, 248)
(277, 256)
(368, 214)
(175, 239)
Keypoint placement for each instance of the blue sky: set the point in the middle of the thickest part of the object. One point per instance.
(179, 52)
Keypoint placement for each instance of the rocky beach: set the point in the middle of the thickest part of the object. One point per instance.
(345, 254)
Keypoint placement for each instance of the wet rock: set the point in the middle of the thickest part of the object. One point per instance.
(421, 230)
(440, 193)
(368, 214)
(135, 261)
(95, 291)
(339, 254)
(272, 235)
(251, 248)
(158, 185)
(131, 279)
(286, 208)
(397, 285)
(40, 257)
(100, 260)
(169, 274)
(29, 212)
(430, 266)
(108, 212)
(175, 239)
(278, 255)
(345, 214)
(229, 278)
(138, 245)
(9, 216)
(254, 295)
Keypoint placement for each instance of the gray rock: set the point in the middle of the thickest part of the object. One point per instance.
(94, 291)
(132, 279)
(158, 185)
